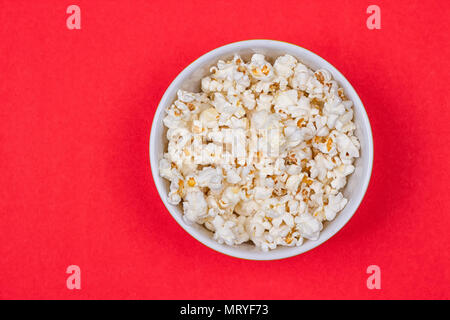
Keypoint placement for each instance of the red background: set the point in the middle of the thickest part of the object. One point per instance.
(75, 183)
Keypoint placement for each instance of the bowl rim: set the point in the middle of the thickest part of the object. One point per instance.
(233, 251)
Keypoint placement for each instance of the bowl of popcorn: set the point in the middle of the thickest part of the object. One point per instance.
(261, 150)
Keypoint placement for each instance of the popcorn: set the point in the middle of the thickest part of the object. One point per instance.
(262, 153)
(230, 197)
(210, 178)
(232, 175)
(224, 232)
(246, 206)
(346, 146)
(248, 99)
(209, 118)
(262, 193)
(293, 183)
(194, 206)
(211, 85)
(176, 191)
(335, 204)
(284, 66)
(308, 226)
(259, 68)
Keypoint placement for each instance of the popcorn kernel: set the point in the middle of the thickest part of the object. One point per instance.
(191, 182)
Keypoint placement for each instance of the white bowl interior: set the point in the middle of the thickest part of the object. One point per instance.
(189, 79)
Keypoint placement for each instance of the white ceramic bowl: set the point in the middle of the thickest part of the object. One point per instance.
(189, 79)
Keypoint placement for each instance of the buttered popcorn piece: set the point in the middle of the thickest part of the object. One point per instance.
(262, 153)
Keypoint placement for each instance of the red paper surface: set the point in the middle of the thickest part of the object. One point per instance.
(76, 108)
